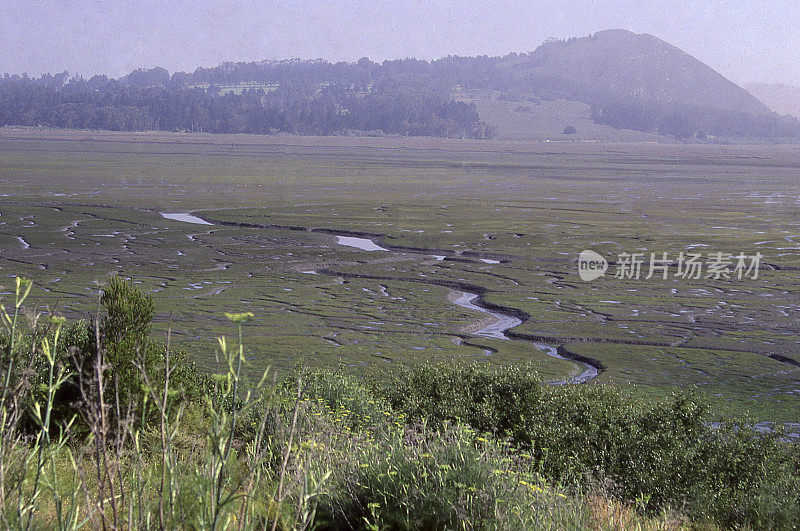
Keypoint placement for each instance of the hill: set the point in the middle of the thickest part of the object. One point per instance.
(641, 83)
(592, 87)
(783, 99)
(621, 65)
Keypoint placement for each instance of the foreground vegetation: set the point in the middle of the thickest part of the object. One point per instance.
(103, 426)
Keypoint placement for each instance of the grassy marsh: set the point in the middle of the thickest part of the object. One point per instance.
(87, 205)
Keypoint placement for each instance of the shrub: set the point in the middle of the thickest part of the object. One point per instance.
(748, 479)
(131, 363)
(495, 401)
(664, 455)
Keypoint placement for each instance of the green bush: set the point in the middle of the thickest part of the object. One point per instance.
(136, 362)
(132, 362)
(495, 401)
(663, 455)
(748, 478)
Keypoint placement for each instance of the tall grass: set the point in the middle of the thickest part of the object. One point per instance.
(102, 427)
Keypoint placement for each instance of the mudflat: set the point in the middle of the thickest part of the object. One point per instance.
(502, 219)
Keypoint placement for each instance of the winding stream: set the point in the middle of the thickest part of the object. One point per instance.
(498, 329)
(504, 322)
(494, 330)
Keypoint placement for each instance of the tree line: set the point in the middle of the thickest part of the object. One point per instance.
(400, 97)
(146, 100)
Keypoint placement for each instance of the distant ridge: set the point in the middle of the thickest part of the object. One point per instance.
(618, 65)
(614, 78)
(781, 98)
(637, 81)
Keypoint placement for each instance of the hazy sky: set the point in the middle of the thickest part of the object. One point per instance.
(755, 40)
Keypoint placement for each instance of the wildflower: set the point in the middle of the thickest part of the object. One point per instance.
(239, 317)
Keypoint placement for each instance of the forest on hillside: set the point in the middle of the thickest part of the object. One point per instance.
(281, 100)
(399, 97)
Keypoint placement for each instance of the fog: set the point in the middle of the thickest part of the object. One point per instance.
(747, 41)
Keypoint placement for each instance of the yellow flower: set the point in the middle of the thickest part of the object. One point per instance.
(239, 317)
